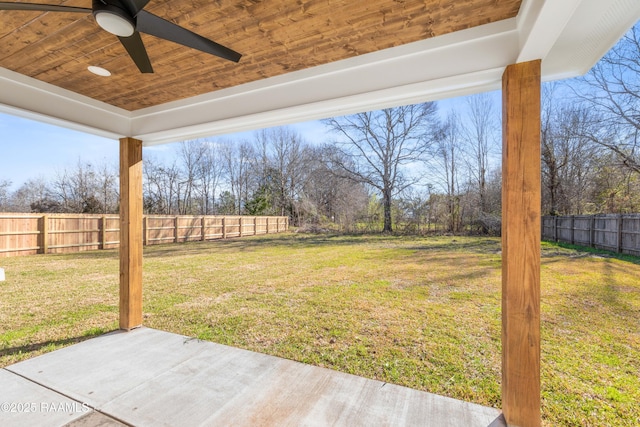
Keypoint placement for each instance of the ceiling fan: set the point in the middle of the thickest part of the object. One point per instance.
(127, 19)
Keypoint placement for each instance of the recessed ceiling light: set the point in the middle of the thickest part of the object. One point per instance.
(99, 71)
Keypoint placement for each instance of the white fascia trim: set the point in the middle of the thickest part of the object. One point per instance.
(417, 72)
(27, 97)
(482, 81)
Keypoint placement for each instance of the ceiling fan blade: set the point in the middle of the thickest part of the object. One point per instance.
(137, 52)
(42, 7)
(156, 26)
(134, 6)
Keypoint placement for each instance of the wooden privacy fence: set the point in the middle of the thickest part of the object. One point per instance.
(618, 233)
(29, 234)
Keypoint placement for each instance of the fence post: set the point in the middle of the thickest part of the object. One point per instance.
(103, 231)
(145, 230)
(240, 227)
(268, 218)
(619, 249)
(592, 231)
(224, 227)
(286, 224)
(175, 229)
(44, 234)
(255, 225)
(203, 228)
(555, 228)
(573, 229)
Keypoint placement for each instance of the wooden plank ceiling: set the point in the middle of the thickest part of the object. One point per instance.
(275, 37)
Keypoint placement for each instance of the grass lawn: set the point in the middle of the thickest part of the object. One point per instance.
(420, 312)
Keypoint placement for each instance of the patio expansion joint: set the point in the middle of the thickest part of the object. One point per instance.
(6, 369)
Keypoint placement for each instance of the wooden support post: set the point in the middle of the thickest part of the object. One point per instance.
(224, 227)
(44, 235)
(240, 227)
(130, 233)
(203, 228)
(176, 220)
(255, 225)
(268, 218)
(521, 244)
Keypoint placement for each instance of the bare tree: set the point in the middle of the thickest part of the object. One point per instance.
(482, 142)
(5, 185)
(211, 169)
(190, 154)
(581, 152)
(32, 196)
(447, 155)
(107, 180)
(161, 187)
(381, 144)
(414, 209)
(567, 155)
(282, 155)
(82, 189)
(615, 189)
(336, 199)
(612, 90)
(238, 160)
(552, 163)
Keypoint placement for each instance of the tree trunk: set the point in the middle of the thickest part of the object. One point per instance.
(386, 201)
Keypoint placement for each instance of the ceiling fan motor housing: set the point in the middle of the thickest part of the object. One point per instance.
(113, 17)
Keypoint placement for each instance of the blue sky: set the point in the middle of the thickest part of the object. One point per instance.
(31, 149)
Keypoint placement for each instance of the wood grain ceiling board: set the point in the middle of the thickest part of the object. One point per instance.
(275, 37)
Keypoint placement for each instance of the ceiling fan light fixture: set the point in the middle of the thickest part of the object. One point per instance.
(115, 21)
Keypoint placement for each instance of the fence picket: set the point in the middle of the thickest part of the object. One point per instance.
(619, 233)
(30, 234)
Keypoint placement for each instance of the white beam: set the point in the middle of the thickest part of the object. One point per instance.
(482, 81)
(540, 24)
(26, 97)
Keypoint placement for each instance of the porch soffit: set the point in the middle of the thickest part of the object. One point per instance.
(302, 60)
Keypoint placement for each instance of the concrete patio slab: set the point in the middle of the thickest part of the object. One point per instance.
(148, 377)
(25, 404)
